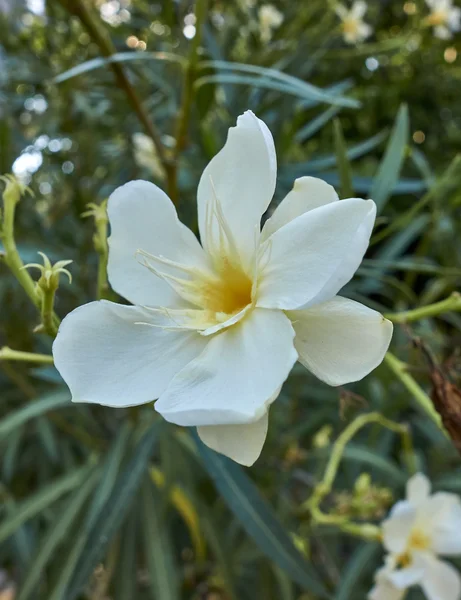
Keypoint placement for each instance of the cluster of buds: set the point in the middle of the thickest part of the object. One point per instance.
(366, 501)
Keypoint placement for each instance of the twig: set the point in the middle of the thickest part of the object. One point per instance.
(99, 35)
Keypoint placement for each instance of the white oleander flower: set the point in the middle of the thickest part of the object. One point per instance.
(269, 19)
(354, 28)
(444, 18)
(216, 328)
(418, 531)
(145, 154)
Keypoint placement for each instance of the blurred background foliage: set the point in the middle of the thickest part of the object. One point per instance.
(100, 503)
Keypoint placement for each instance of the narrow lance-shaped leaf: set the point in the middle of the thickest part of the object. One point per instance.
(164, 579)
(258, 519)
(113, 512)
(345, 173)
(42, 499)
(391, 164)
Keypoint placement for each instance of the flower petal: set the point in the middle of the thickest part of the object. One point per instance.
(308, 260)
(240, 368)
(106, 357)
(307, 193)
(143, 217)
(341, 340)
(407, 576)
(397, 528)
(359, 8)
(418, 489)
(441, 581)
(444, 512)
(242, 443)
(241, 178)
(384, 590)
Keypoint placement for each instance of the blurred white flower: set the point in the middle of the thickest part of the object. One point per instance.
(418, 531)
(354, 28)
(444, 18)
(145, 154)
(269, 19)
(216, 328)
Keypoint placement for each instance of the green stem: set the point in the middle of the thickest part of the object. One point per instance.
(47, 312)
(366, 530)
(103, 252)
(12, 258)
(189, 78)
(7, 353)
(453, 302)
(399, 369)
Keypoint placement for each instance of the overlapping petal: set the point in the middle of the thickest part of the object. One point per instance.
(307, 193)
(231, 381)
(241, 180)
(106, 357)
(242, 443)
(441, 581)
(341, 340)
(142, 217)
(397, 528)
(418, 489)
(313, 256)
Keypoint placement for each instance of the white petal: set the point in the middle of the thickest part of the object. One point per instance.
(315, 254)
(341, 340)
(454, 18)
(240, 368)
(445, 510)
(307, 193)
(384, 590)
(418, 489)
(364, 31)
(243, 443)
(143, 217)
(442, 32)
(242, 179)
(341, 11)
(106, 358)
(397, 528)
(406, 577)
(441, 581)
(359, 8)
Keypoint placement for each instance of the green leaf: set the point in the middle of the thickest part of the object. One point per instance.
(56, 533)
(322, 163)
(359, 564)
(345, 173)
(112, 514)
(101, 496)
(273, 79)
(98, 63)
(258, 519)
(36, 407)
(273, 85)
(164, 578)
(391, 164)
(35, 504)
(316, 124)
(126, 573)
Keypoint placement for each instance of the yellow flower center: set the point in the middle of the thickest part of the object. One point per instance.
(438, 17)
(229, 292)
(418, 540)
(351, 26)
